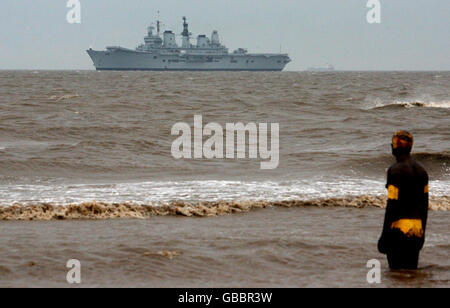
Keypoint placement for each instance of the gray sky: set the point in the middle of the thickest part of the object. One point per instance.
(413, 34)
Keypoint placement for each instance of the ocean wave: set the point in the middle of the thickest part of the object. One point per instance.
(437, 164)
(443, 157)
(159, 192)
(102, 210)
(412, 104)
(432, 159)
(63, 97)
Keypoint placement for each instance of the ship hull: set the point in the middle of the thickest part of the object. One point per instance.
(191, 69)
(121, 59)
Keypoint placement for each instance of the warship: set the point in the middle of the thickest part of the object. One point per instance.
(164, 54)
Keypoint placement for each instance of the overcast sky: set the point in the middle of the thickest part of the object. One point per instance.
(412, 35)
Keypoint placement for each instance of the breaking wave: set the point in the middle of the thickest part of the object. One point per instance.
(102, 210)
(412, 104)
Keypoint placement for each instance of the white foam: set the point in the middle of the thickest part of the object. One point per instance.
(443, 104)
(411, 104)
(63, 97)
(193, 191)
(427, 104)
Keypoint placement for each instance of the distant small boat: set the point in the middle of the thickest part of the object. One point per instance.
(328, 68)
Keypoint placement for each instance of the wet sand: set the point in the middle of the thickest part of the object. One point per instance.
(271, 247)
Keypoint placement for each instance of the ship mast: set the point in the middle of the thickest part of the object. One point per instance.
(185, 34)
(185, 27)
(158, 25)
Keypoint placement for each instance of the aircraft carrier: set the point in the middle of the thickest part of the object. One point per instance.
(164, 54)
